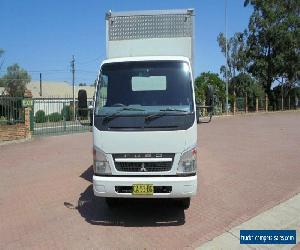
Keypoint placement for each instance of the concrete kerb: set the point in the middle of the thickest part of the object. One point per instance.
(280, 217)
(252, 113)
(3, 143)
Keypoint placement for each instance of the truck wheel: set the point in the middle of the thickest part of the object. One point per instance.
(111, 202)
(185, 203)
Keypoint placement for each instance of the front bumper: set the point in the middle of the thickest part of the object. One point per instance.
(105, 186)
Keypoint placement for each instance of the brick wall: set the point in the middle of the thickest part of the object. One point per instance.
(12, 132)
(17, 131)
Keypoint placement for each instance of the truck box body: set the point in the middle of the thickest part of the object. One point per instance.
(150, 33)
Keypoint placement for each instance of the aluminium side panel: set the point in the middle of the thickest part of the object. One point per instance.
(150, 33)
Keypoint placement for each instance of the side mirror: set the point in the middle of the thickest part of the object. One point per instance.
(82, 103)
(91, 114)
(198, 110)
(85, 113)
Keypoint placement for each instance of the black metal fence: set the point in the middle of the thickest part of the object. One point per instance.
(57, 116)
(11, 110)
(246, 104)
(61, 115)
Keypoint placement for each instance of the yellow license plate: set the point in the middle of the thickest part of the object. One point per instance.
(145, 189)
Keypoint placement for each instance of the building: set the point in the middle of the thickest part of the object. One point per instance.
(52, 96)
(50, 89)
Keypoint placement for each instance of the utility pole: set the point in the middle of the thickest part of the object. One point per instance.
(73, 82)
(41, 88)
(226, 75)
(282, 94)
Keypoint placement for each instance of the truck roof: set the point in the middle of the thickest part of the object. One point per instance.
(150, 12)
(147, 58)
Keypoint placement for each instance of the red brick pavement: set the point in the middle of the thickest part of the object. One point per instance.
(247, 164)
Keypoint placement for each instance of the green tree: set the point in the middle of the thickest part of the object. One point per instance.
(201, 85)
(273, 43)
(236, 59)
(245, 84)
(285, 96)
(15, 80)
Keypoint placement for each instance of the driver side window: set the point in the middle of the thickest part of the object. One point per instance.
(102, 91)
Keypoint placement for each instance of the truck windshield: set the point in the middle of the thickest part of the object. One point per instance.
(144, 87)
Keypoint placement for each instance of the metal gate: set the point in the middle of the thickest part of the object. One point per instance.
(240, 104)
(57, 116)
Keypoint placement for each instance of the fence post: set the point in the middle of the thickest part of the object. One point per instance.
(32, 119)
(289, 102)
(64, 117)
(266, 102)
(246, 103)
(27, 122)
(29, 116)
(221, 108)
(234, 104)
(256, 104)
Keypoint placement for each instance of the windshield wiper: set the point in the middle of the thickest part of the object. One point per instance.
(177, 110)
(116, 114)
(163, 112)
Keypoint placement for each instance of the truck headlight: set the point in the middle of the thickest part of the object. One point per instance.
(101, 165)
(188, 162)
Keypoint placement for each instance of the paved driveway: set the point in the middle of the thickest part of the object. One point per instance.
(247, 164)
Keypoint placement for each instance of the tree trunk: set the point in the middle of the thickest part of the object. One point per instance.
(269, 93)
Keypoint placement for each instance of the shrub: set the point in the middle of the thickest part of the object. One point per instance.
(67, 112)
(55, 117)
(3, 120)
(40, 116)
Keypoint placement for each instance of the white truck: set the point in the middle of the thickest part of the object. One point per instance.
(144, 114)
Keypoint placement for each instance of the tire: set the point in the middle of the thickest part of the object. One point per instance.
(111, 202)
(185, 203)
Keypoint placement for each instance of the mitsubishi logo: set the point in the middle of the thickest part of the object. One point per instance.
(143, 169)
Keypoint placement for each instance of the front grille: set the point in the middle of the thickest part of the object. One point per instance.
(157, 189)
(124, 164)
(143, 166)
